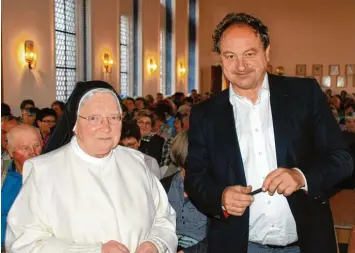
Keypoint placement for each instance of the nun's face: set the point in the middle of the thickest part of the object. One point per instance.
(97, 128)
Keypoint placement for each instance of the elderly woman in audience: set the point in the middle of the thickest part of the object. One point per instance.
(151, 144)
(46, 119)
(191, 225)
(24, 142)
(88, 194)
(29, 115)
(131, 137)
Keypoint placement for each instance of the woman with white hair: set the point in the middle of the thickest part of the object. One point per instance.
(86, 194)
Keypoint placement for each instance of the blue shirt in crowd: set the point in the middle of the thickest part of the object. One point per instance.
(9, 191)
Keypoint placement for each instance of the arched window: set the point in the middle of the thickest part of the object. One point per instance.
(124, 56)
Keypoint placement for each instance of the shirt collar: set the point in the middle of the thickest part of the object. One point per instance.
(264, 87)
(81, 153)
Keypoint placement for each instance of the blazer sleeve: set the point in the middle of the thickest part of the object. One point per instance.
(202, 188)
(28, 228)
(333, 161)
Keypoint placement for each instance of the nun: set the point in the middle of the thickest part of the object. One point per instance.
(86, 194)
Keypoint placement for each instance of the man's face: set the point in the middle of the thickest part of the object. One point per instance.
(159, 97)
(244, 60)
(6, 126)
(130, 142)
(57, 110)
(27, 144)
(46, 124)
(139, 104)
(350, 124)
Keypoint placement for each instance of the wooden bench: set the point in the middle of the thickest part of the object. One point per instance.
(343, 210)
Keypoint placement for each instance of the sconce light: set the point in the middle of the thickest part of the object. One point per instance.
(152, 66)
(107, 63)
(280, 70)
(181, 70)
(30, 55)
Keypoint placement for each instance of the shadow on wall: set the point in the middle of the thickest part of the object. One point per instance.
(33, 80)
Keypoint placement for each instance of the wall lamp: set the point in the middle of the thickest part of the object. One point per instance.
(30, 55)
(107, 61)
(152, 66)
(181, 70)
(280, 70)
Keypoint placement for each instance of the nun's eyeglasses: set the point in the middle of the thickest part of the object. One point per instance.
(96, 120)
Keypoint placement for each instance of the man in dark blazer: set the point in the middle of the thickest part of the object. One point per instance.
(271, 132)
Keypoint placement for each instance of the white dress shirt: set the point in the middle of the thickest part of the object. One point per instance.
(72, 202)
(271, 221)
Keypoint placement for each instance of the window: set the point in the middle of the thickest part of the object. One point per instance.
(65, 47)
(162, 62)
(124, 56)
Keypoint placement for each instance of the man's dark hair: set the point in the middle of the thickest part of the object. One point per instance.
(44, 113)
(160, 94)
(26, 102)
(189, 100)
(129, 98)
(60, 103)
(5, 110)
(130, 130)
(193, 90)
(143, 100)
(240, 19)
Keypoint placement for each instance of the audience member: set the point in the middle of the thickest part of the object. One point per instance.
(140, 103)
(46, 119)
(131, 138)
(24, 143)
(151, 144)
(27, 103)
(7, 123)
(28, 115)
(58, 107)
(5, 110)
(191, 224)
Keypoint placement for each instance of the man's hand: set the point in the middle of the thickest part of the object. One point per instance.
(147, 247)
(236, 199)
(114, 247)
(284, 181)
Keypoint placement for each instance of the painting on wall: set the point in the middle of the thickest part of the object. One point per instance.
(350, 69)
(340, 81)
(301, 69)
(334, 70)
(326, 81)
(317, 70)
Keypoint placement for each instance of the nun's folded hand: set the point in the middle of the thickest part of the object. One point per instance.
(114, 247)
(147, 247)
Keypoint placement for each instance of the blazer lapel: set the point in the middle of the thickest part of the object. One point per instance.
(227, 134)
(280, 100)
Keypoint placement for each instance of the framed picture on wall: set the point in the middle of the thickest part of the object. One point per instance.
(350, 69)
(334, 70)
(326, 81)
(317, 70)
(269, 68)
(301, 69)
(340, 81)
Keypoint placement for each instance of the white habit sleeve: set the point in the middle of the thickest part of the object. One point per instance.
(28, 227)
(163, 232)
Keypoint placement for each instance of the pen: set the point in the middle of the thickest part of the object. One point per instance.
(256, 191)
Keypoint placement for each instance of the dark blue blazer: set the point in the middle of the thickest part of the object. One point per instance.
(306, 136)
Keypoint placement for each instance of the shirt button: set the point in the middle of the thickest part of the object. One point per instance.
(269, 202)
(256, 130)
(260, 153)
